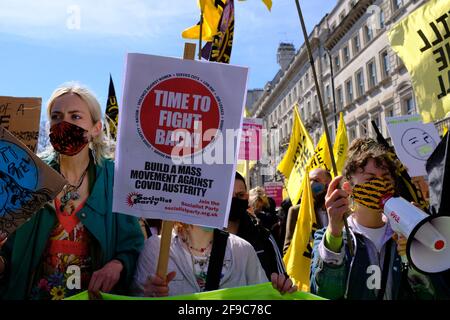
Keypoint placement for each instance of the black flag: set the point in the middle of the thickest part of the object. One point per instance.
(112, 109)
(438, 169)
(219, 50)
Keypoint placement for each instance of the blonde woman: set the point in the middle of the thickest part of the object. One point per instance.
(75, 242)
(258, 200)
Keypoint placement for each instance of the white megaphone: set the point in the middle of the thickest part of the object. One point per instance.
(428, 245)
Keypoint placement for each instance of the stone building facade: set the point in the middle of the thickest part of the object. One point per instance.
(370, 80)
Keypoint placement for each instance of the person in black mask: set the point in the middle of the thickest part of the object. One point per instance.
(320, 179)
(75, 242)
(245, 226)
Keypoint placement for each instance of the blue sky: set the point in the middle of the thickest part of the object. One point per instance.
(40, 48)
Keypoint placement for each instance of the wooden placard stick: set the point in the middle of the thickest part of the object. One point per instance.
(167, 226)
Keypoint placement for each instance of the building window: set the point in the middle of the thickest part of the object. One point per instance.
(300, 84)
(327, 93)
(342, 16)
(349, 90)
(360, 83)
(340, 98)
(363, 132)
(337, 63)
(331, 131)
(346, 53)
(318, 135)
(325, 60)
(368, 34)
(382, 19)
(307, 79)
(308, 109)
(316, 104)
(376, 119)
(302, 113)
(352, 133)
(389, 112)
(409, 106)
(396, 4)
(356, 43)
(295, 95)
(384, 60)
(372, 73)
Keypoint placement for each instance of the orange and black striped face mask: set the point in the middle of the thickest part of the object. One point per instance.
(372, 192)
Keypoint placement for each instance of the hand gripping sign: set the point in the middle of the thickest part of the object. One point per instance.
(178, 139)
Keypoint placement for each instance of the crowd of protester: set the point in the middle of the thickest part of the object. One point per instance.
(118, 253)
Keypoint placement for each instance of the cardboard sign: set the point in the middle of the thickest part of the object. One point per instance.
(413, 141)
(26, 183)
(251, 140)
(174, 160)
(21, 117)
(275, 191)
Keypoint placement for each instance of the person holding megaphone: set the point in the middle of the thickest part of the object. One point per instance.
(375, 270)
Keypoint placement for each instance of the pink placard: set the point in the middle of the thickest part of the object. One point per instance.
(251, 140)
(275, 191)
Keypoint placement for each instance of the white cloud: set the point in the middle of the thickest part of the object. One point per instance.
(48, 20)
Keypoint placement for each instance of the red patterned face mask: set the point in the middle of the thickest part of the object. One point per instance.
(67, 138)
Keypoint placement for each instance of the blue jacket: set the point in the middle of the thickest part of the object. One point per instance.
(341, 276)
(115, 236)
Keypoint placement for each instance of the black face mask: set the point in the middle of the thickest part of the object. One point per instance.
(238, 209)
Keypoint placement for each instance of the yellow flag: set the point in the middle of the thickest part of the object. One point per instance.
(340, 146)
(241, 166)
(246, 113)
(421, 42)
(285, 194)
(212, 11)
(302, 150)
(299, 150)
(268, 4)
(321, 157)
(298, 256)
(444, 131)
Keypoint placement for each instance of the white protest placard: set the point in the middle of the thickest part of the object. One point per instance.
(413, 141)
(178, 139)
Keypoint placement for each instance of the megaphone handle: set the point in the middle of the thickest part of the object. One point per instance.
(349, 236)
